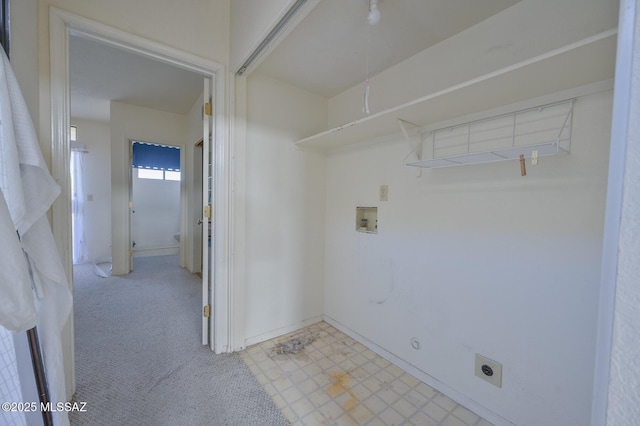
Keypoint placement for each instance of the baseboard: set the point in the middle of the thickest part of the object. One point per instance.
(159, 251)
(282, 331)
(422, 376)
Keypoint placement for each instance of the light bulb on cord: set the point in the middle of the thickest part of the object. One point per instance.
(374, 12)
(373, 18)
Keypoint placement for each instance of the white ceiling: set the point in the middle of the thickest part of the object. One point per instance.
(326, 52)
(100, 73)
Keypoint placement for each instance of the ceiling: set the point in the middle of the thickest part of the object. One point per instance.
(325, 54)
(100, 73)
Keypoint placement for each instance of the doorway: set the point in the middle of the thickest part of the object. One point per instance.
(155, 195)
(63, 26)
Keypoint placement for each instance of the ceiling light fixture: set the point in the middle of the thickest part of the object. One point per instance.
(374, 12)
(373, 18)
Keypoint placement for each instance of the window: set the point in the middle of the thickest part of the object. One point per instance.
(171, 175)
(150, 174)
(158, 174)
(154, 161)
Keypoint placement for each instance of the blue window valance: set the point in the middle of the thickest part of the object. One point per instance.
(154, 156)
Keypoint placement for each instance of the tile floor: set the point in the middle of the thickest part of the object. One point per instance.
(320, 376)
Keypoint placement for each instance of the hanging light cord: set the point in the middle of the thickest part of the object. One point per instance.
(365, 106)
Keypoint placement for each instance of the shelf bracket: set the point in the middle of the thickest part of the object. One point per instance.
(567, 119)
(412, 137)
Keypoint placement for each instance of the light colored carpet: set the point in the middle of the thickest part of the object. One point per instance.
(139, 359)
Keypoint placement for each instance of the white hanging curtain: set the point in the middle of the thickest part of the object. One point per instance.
(80, 254)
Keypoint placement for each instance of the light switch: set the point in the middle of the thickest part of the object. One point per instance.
(384, 193)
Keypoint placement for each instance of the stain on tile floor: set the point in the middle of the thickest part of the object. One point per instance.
(319, 376)
(292, 346)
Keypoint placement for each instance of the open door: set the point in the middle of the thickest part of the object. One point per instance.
(197, 206)
(132, 243)
(207, 187)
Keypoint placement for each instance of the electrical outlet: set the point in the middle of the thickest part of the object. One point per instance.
(384, 193)
(489, 370)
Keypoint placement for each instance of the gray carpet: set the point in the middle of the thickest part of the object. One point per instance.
(139, 359)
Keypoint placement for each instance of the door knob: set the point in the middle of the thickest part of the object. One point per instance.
(199, 221)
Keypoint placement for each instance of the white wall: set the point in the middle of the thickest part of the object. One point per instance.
(284, 224)
(199, 27)
(251, 21)
(128, 123)
(478, 259)
(157, 216)
(24, 51)
(96, 136)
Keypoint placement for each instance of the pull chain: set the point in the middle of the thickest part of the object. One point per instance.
(365, 106)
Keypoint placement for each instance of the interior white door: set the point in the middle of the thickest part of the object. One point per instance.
(197, 190)
(132, 242)
(207, 187)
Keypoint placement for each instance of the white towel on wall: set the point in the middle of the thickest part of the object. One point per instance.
(25, 180)
(28, 191)
(17, 307)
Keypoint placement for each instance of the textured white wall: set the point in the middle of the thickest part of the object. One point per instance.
(285, 190)
(624, 390)
(478, 259)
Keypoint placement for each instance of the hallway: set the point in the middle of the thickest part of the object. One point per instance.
(139, 360)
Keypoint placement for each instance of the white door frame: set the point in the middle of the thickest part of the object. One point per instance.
(62, 24)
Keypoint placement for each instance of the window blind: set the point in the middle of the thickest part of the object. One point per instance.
(154, 156)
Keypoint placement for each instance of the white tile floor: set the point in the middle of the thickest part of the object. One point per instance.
(320, 376)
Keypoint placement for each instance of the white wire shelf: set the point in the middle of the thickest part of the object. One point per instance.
(536, 132)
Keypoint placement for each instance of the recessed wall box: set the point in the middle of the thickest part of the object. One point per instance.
(367, 219)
